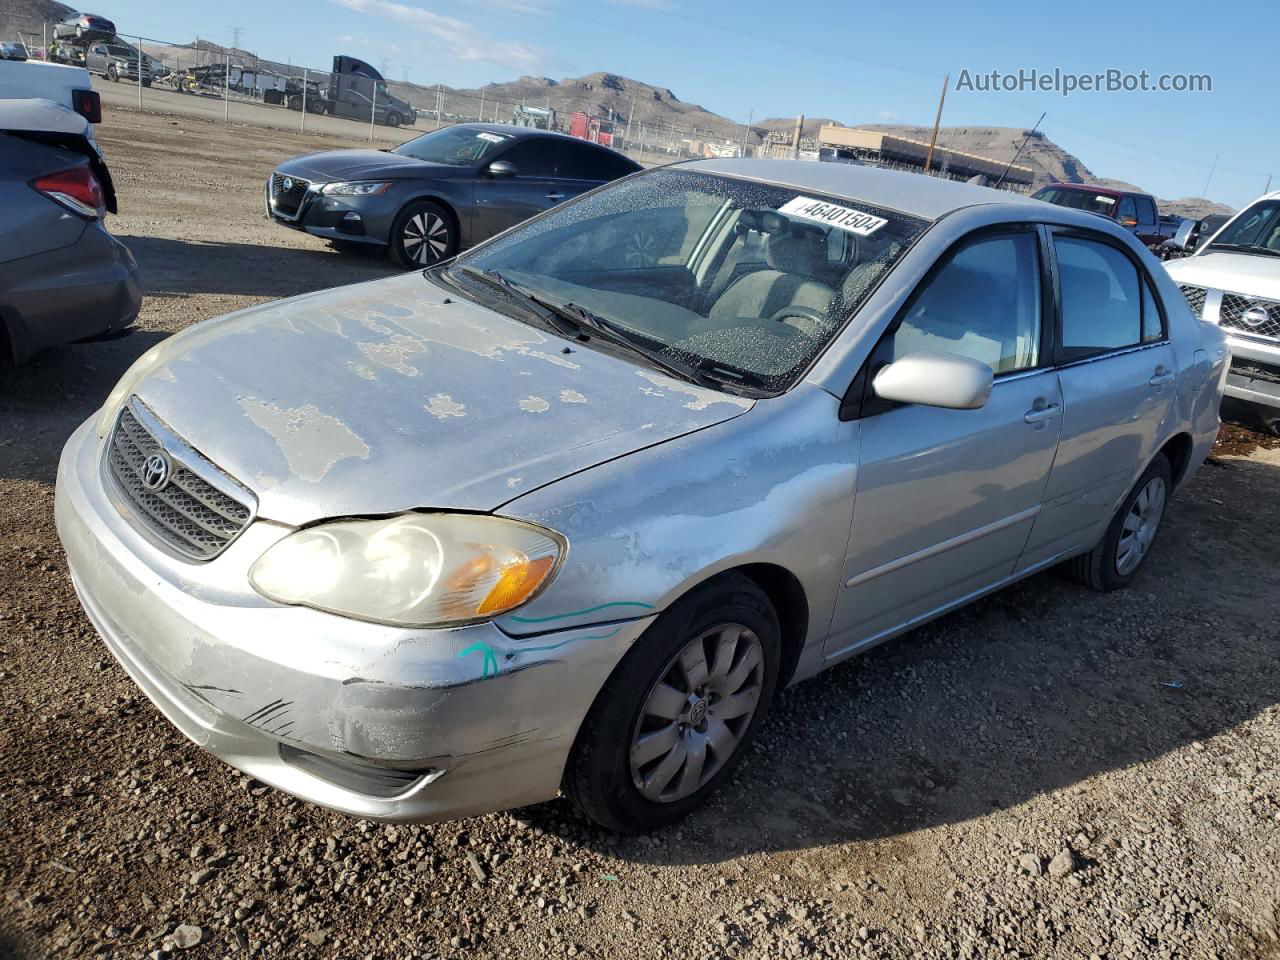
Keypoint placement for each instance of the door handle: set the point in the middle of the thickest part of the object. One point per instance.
(555, 196)
(1041, 414)
(1160, 376)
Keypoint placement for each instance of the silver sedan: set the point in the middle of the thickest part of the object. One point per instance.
(564, 513)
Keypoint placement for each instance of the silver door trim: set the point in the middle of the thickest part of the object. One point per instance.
(957, 541)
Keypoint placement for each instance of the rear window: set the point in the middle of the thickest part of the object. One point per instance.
(1085, 200)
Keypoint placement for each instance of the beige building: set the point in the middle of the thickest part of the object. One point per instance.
(889, 150)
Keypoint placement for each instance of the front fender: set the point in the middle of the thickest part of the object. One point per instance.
(774, 485)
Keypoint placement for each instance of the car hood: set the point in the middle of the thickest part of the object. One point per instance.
(391, 395)
(364, 165)
(1253, 276)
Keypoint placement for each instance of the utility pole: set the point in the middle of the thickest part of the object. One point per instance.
(1267, 189)
(1018, 152)
(373, 110)
(747, 129)
(439, 98)
(1204, 194)
(630, 115)
(226, 92)
(928, 160)
(795, 137)
(304, 100)
(482, 86)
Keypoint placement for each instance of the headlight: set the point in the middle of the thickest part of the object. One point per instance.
(414, 570)
(354, 189)
(124, 386)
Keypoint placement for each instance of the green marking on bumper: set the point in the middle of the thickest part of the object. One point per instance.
(490, 660)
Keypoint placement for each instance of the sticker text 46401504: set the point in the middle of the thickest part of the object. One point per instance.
(833, 215)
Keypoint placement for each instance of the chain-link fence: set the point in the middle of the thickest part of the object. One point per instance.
(353, 100)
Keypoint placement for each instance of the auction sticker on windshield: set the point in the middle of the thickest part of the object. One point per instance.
(491, 137)
(819, 211)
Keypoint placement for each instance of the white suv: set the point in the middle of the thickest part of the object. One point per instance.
(1234, 280)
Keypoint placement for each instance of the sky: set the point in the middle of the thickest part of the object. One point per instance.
(853, 60)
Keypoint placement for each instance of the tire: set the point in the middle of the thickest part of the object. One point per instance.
(393, 119)
(629, 770)
(314, 105)
(112, 73)
(295, 102)
(1110, 565)
(430, 221)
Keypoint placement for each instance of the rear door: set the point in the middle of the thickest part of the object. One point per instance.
(946, 498)
(1117, 370)
(502, 202)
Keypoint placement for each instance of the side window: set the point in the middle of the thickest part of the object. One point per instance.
(983, 304)
(1146, 210)
(1152, 316)
(584, 162)
(535, 157)
(1101, 305)
(1126, 210)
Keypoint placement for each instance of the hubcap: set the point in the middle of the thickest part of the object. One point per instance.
(426, 238)
(1140, 526)
(696, 713)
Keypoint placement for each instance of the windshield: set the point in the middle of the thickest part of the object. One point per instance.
(455, 146)
(1258, 227)
(1085, 200)
(746, 281)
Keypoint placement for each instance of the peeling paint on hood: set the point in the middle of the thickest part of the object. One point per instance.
(383, 396)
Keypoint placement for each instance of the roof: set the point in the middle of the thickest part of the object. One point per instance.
(1095, 188)
(912, 193)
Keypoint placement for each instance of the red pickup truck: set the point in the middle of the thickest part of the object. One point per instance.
(1135, 211)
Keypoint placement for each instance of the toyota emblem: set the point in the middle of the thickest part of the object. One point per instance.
(1256, 316)
(287, 183)
(155, 471)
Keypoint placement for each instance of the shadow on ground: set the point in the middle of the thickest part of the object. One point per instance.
(182, 268)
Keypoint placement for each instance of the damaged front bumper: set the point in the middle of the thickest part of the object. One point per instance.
(374, 721)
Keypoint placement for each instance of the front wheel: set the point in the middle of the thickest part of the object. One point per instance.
(1132, 531)
(393, 119)
(679, 711)
(113, 74)
(424, 233)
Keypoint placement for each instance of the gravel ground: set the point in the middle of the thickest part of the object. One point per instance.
(1049, 773)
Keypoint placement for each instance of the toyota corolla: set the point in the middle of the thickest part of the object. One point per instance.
(563, 513)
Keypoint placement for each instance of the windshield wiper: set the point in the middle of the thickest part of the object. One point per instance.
(611, 332)
(1247, 248)
(529, 301)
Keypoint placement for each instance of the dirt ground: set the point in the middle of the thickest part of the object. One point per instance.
(1048, 773)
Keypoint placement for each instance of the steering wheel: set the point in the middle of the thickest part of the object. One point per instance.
(804, 313)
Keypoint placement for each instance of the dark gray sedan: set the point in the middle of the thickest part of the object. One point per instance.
(439, 193)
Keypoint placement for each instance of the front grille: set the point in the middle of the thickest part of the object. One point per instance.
(1195, 298)
(1255, 370)
(195, 512)
(287, 201)
(1259, 318)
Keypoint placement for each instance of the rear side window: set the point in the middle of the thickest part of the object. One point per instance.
(983, 304)
(583, 162)
(1101, 302)
(1153, 328)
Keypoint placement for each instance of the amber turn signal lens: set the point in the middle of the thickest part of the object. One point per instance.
(515, 585)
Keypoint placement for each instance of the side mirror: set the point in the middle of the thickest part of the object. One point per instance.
(502, 168)
(1183, 237)
(935, 380)
(1129, 222)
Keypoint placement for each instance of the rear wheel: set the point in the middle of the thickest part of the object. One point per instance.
(112, 73)
(295, 102)
(1132, 531)
(678, 713)
(424, 233)
(315, 105)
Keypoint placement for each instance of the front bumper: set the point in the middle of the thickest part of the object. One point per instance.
(373, 721)
(1255, 372)
(355, 219)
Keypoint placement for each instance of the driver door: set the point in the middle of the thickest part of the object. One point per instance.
(502, 202)
(946, 498)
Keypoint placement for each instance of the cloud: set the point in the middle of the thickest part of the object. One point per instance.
(533, 7)
(463, 41)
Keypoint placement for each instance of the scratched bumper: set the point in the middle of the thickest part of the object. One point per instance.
(374, 721)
